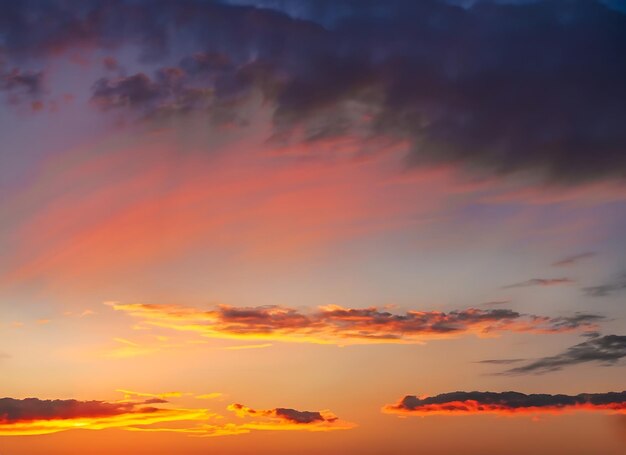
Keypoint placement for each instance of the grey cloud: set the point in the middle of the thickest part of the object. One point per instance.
(495, 88)
(507, 402)
(606, 289)
(605, 350)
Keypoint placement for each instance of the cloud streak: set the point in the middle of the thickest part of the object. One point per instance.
(606, 289)
(539, 282)
(507, 403)
(337, 325)
(605, 350)
(573, 260)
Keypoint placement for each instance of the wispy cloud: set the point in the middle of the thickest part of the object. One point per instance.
(606, 350)
(575, 259)
(464, 403)
(606, 289)
(540, 282)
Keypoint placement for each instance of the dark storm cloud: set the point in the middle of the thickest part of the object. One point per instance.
(507, 402)
(495, 88)
(606, 289)
(29, 409)
(606, 350)
(539, 282)
(572, 260)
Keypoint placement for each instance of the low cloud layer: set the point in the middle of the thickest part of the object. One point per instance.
(604, 350)
(461, 403)
(337, 325)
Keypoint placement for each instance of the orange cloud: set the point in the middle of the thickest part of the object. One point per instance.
(506, 403)
(33, 416)
(337, 325)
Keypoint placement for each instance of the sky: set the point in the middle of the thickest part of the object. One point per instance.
(312, 226)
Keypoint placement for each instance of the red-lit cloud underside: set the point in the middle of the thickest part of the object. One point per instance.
(468, 403)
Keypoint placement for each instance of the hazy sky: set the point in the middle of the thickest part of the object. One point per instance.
(312, 226)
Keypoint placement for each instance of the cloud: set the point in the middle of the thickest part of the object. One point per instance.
(496, 88)
(17, 80)
(21, 86)
(33, 416)
(572, 260)
(285, 415)
(12, 410)
(606, 350)
(276, 419)
(462, 403)
(337, 325)
(164, 95)
(606, 289)
(540, 282)
(126, 91)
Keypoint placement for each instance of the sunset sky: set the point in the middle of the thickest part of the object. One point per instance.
(343, 227)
